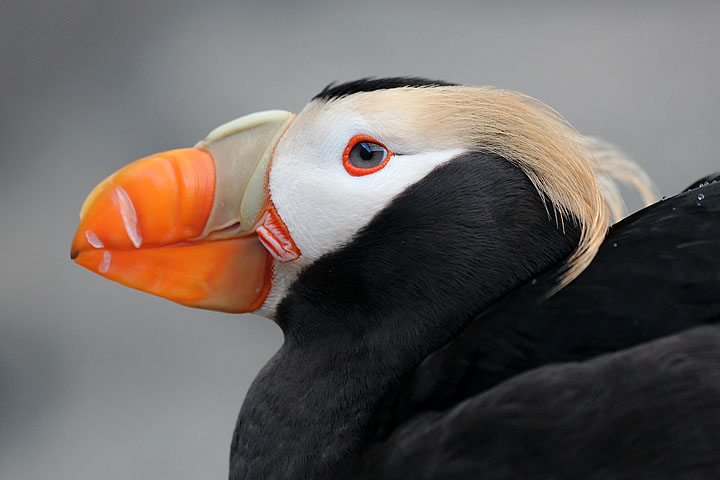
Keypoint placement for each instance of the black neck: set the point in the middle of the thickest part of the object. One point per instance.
(309, 408)
(359, 318)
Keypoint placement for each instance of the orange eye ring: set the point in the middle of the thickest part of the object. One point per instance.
(358, 171)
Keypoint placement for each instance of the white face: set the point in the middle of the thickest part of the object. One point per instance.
(322, 204)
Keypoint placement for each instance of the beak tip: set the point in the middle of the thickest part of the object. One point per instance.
(77, 245)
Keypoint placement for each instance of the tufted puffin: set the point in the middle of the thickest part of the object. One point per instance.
(454, 301)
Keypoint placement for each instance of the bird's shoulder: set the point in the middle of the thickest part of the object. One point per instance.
(652, 411)
(657, 273)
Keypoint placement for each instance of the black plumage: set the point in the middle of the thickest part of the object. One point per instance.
(370, 84)
(657, 273)
(419, 349)
(650, 412)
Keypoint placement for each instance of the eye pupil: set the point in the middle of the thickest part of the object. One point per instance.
(365, 152)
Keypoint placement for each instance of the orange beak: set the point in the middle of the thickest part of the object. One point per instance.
(182, 224)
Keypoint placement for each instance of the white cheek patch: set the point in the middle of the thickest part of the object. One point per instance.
(320, 203)
(324, 209)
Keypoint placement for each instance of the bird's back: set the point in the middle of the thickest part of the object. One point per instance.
(652, 411)
(488, 404)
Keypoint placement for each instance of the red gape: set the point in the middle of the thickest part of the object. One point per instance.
(275, 237)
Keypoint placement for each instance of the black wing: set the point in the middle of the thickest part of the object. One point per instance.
(657, 273)
(650, 412)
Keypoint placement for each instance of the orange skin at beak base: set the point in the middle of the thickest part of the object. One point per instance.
(144, 227)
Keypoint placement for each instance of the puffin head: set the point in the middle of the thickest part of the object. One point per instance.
(399, 191)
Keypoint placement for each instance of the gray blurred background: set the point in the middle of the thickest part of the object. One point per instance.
(100, 381)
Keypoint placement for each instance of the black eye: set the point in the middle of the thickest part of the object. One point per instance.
(367, 155)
